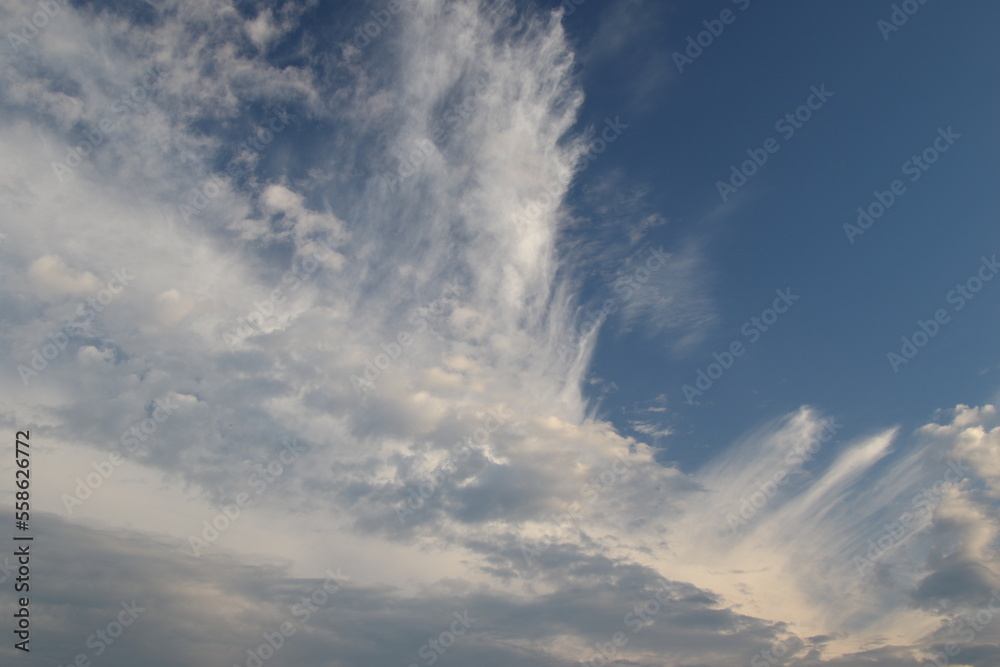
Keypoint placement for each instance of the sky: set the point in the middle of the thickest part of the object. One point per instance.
(521, 332)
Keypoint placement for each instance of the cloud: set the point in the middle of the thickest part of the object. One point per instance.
(650, 429)
(626, 40)
(466, 470)
(52, 277)
(674, 301)
(975, 443)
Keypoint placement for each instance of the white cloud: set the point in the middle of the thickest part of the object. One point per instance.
(52, 277)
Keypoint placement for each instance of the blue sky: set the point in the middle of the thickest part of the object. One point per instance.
(450, 332)
(785, 228)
